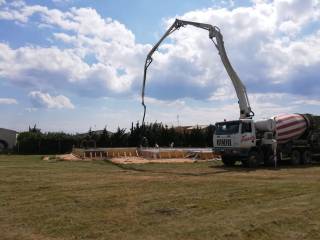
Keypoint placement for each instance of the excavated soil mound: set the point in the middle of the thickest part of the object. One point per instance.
(125, 160)
(139, 160)
(64, 157)
(68, 157)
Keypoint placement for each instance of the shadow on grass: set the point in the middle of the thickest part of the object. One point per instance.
(130, 167)
(220, 169)
(280, 166)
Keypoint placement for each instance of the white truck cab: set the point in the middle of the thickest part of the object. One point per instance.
(234, 134)
(234, 139)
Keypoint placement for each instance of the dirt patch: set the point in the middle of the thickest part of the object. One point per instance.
(46, 158)
(69, 157)
(64, 157)
(124, 160)
(139, 160)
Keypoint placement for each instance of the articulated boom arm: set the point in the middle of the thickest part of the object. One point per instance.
(214, 32)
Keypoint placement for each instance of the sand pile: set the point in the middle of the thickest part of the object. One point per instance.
(139, 160)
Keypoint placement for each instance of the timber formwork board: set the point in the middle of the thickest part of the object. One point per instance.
(104, 153)
(148, 153)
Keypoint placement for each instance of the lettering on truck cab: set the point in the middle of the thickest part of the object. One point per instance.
(246, 138)
(224, 142)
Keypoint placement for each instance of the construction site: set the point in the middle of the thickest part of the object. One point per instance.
(294, 137)
(138, 156)
(240, 76)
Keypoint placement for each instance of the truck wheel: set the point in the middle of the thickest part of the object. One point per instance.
(2, 147)
(306, 157)
(253, 160)
(228, 161)
(295, 157)
(269, 161)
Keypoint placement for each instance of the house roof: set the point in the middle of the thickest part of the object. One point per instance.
(182, 128)
(8, 130)
(97, 132)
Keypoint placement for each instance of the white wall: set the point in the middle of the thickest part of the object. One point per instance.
(9, 136)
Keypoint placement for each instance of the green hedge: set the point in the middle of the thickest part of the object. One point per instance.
(36, 142)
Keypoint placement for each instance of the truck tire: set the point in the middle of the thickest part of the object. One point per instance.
(2, 147)
(228, 161)
(269, 160)
(306, 157)
(295, 157)
(253, 161)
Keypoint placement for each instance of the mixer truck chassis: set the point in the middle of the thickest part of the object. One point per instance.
(294, 138)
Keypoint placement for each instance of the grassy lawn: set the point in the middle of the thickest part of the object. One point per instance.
(99, 200)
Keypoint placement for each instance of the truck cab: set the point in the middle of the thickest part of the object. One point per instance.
(233, 140)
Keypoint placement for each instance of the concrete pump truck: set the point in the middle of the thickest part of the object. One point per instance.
(294, 137)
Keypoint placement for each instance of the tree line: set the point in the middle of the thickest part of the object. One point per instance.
(34, 141)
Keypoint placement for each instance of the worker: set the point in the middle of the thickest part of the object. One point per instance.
(274, 149)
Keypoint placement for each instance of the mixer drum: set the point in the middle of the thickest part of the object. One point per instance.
(289, 127)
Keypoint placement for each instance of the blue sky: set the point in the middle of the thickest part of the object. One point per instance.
(69, 65)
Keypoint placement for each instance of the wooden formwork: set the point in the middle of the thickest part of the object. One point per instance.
(206, 155)
(121, 152)
(78, 152)
(169, 154)
(95, 154)
(149, 154)
(172, 154)
(104, 153)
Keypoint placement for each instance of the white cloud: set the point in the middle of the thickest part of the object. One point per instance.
(308, 102)
(52, 67)
(82, 21)
(273, 45)
(45, 100)
(295, 12)
(19, 11)
(263, 43)
(191, 111)
(31, 109)
(286, 57)
(110, 44)
(8, 101)
(62, 1)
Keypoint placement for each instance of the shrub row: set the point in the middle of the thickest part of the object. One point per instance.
(36, 142)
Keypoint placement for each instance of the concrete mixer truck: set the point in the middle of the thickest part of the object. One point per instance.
(294, 137)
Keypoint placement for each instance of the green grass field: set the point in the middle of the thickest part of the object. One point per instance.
(99, 200)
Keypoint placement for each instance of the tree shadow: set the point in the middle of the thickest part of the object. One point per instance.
(134, 168)
(280, 166)
(236, 168)
(220, 169)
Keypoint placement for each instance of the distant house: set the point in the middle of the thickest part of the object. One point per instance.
(87, 141)
(8, 139)
(190, 128)
(95, 132)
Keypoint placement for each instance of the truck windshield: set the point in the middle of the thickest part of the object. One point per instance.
(224, 128)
